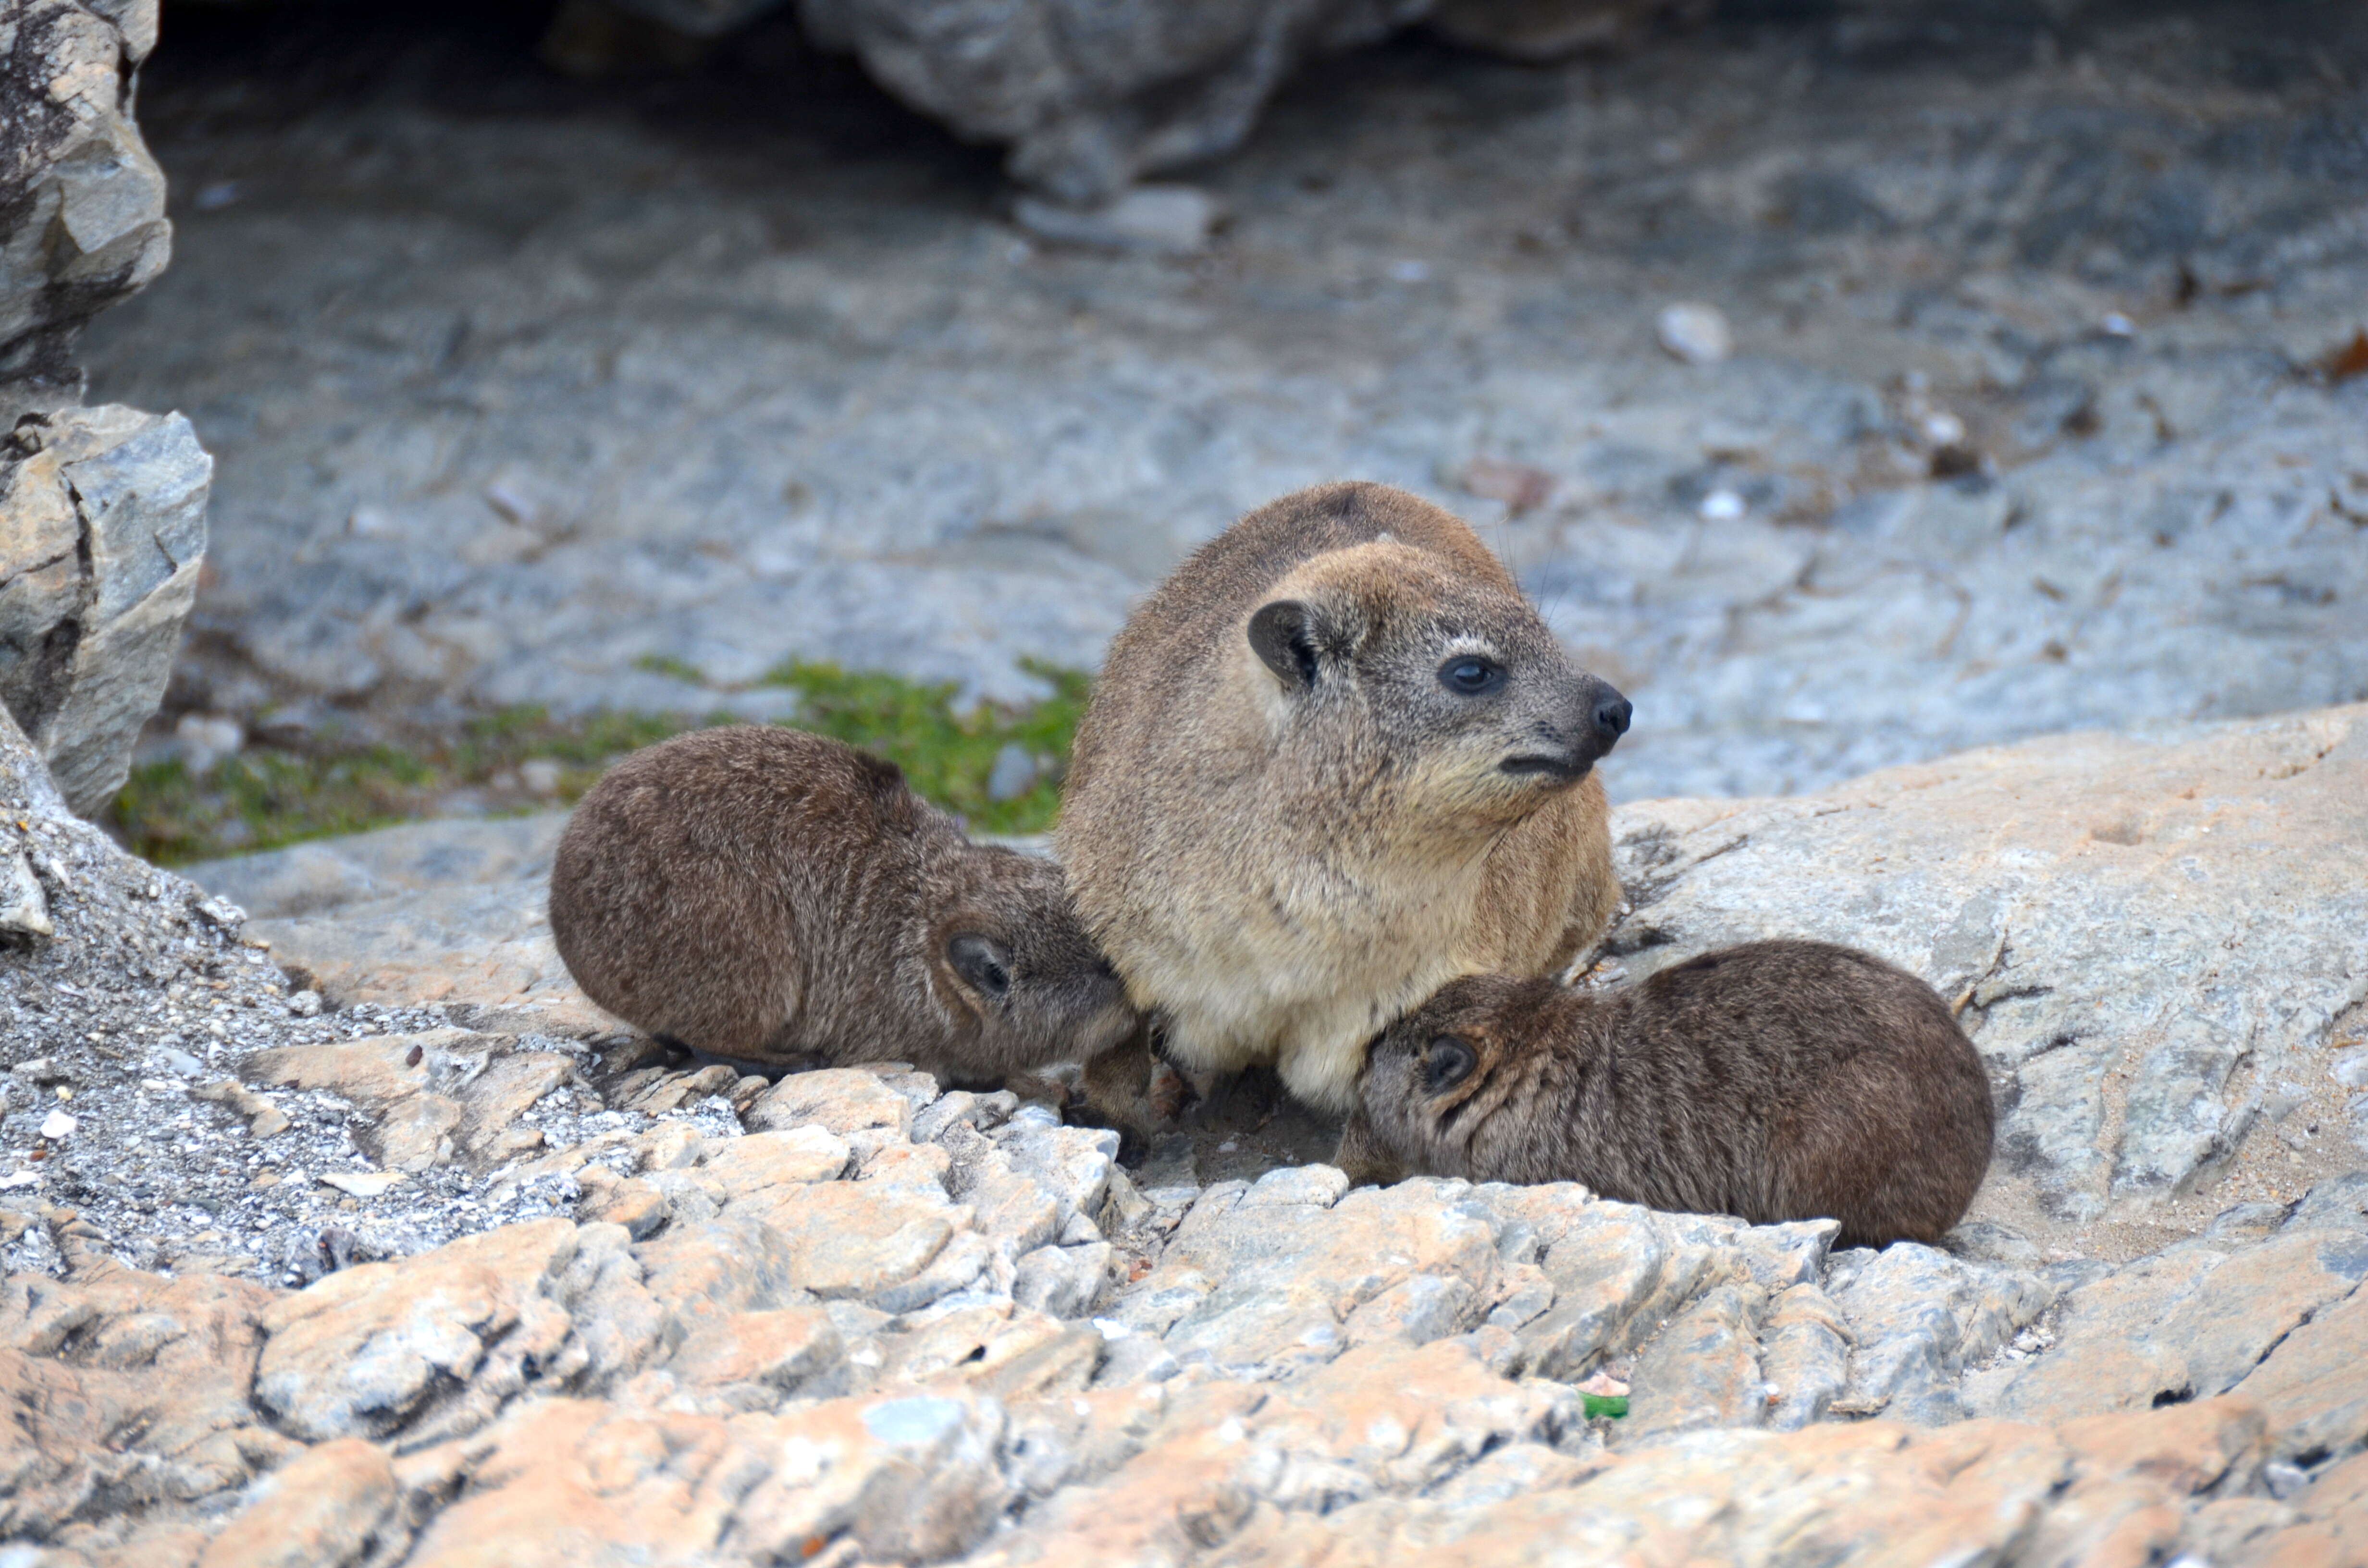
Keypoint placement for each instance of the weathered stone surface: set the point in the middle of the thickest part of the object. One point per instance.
(906, 1479)
(1920, 1318)
(359, 869)
(1073, 1163)
(357, 1354)
(823, 1337)
(784, 1350)
(763, 1161)
(437, 1096)
(326, 1508)
(842, 1100)
(102, 535)
(84, 203)
(2192, 1322)
(1272, 1286)
(2147, 938)
(490, 946)
(119, 1384)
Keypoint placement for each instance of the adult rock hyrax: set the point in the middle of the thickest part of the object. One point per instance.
(1334, 762)
(1773, 1081)
(776, 898)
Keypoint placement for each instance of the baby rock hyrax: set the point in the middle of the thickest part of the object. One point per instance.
(1774, 1081)
(1334, 762)
(777, 899)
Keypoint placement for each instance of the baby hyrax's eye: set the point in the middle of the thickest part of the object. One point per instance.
(1447, 1062)
(1469, 674)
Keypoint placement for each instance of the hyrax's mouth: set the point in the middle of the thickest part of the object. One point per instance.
(1560, 769)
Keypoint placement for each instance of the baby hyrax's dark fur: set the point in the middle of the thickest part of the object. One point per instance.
(1774, 1081)
(777, 899)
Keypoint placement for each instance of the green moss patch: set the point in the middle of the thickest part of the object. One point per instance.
(521, 759)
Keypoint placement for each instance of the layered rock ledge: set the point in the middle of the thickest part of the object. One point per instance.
(482, 1278)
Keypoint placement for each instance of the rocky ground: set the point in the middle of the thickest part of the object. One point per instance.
(2035, 415)
(372, 1243)
(339, 1229)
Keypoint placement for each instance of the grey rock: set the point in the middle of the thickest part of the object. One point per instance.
(24, 907)
(1322, 1185)
(1276, 1286)
(1918, 1318)
(1088, 97)
(434, 857)
(1169, 220)
(957, 1266)
(2192, 1321)
(1619, 1277)
(1416, 1310)
(1013, 773)
(1528, 1292)
(1136, 1359)
(1542, 31)
(1073, 1163)
(102, 535)
(1701, 1370)
(1697, 333)
(962, 1108)
(1804, 1356)
(1985, 1240)
(1066, 1281)
(83, 202)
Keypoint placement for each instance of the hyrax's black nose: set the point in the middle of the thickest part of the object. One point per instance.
(1611, 713)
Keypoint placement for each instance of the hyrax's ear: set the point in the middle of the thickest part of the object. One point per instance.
(984, 963)
(1296, 639)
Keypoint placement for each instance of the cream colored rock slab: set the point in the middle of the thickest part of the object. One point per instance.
(762, 1161)
(324, 1509)
(2192, 1323)
(2143, 935)
(358, 1352)
(782, 1350)
(850, 1239)
(1275, 1285)
(843, 1101)
(488, 946)
(564, 1482)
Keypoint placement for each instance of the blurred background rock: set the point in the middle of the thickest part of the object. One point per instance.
(1852, 382)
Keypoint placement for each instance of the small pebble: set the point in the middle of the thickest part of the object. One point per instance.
(57, 1125)
(1697, 333)
(1943, 429)
(1722, 506)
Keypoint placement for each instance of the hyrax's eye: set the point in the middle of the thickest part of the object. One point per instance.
(1447, 1062)
(1471, 675)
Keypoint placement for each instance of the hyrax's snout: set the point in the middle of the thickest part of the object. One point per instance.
(1588, 720)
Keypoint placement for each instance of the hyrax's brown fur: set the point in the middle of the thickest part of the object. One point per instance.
(778, 899)
(1285, 828)
(1774, 1081)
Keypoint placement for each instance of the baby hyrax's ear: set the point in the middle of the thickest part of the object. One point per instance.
(1447, 1061)
(983, 964)
(1304, 642)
